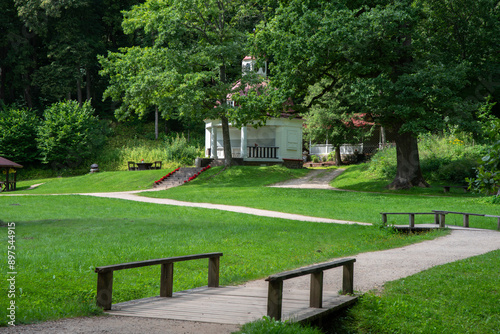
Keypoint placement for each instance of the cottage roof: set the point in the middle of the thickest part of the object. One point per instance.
(6, 163)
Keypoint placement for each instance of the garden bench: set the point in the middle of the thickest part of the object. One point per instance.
(411, 216)
(131, 165)
(447, 188)
(105, 275)
(275, 290)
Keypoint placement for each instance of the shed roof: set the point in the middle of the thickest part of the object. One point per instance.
(7, 163)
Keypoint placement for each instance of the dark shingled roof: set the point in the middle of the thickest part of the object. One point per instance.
(7, 163)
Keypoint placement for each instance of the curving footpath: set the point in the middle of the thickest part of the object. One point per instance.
(371, 271)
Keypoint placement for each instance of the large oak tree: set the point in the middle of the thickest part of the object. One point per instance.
(406, 62)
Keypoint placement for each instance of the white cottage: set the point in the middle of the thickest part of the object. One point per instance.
(279, 141)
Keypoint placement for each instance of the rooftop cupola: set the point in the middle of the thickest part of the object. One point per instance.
(249, 64)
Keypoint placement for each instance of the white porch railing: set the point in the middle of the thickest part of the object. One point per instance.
(264, 152)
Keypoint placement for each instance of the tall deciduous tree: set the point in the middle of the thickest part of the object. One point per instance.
(48, 48)
(190, 68)
(385, 55)
(331, 118)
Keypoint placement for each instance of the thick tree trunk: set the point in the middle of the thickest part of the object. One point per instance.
(408, 173)
(338, 158)
(228, 159)
(226, 141)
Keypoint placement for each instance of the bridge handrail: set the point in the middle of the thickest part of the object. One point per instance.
(105, 275)
(275, 290)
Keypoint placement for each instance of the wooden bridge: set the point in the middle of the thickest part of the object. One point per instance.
(234, 304)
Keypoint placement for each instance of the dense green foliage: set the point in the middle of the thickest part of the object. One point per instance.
(48, 49)
(69, 134)
(60, 241)
(446, 159)
(386, 58)
(17, 135)
(487, 178)
(188, 68)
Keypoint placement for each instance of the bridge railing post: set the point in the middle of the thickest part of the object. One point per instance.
(348, 279)
(275, 299)
(105, 290)
(167, 280)
(316, 293)
(213, 271)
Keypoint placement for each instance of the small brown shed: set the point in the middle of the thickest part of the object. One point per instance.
(9, 169)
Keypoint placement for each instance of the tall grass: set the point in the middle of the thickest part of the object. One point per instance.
(173, 151)
(444, 158)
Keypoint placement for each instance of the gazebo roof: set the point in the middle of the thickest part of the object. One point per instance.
(6, 163)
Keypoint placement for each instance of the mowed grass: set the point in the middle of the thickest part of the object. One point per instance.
(61, 239)
(95, 182)
(459, 297)
(246, 186)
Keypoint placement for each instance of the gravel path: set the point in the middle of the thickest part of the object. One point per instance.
(315, 179)
(371, 270)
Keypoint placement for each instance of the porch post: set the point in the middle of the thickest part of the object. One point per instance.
(244, 145)
(213, 141)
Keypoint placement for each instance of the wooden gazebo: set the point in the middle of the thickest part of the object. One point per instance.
(9, 169)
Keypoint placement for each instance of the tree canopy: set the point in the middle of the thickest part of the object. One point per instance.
(408, 63)
(189, 64)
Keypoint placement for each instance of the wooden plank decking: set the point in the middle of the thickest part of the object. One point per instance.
(228, 305)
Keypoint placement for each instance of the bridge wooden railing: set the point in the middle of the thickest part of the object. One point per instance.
(275, 291)
(439, 217)
(411, 216)
(105, 275)
(465, 215)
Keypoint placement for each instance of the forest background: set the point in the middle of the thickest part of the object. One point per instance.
(419, 66)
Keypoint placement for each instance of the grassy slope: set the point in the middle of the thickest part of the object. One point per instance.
(465, 300)
(97, 182)
(244, 186)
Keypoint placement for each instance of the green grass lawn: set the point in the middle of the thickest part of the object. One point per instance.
(60, 239)
(459, 297)
(96, 182)
(245, 186)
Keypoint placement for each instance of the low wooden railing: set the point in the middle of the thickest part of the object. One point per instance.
(442, 215)
(439, 217)
(105, 275)
(269, 152)
(411, 216)
(275, 290)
